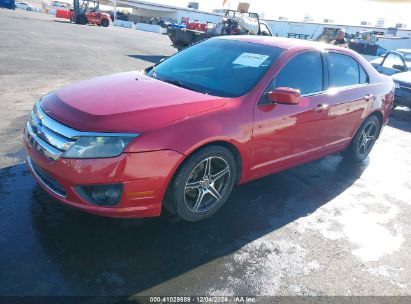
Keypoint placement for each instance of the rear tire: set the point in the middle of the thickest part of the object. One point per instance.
(364, 140)
(202, 184)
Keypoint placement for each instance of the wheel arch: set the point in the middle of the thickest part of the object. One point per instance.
(380, 117)
(225, 144)
(376, 113)
(229, 146)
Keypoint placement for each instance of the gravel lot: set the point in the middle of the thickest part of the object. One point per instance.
(324, 228)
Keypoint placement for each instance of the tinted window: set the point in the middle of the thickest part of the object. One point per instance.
(344, 70)
(304, 72)
(220, 67)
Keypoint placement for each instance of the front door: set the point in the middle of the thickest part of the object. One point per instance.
(285, 134)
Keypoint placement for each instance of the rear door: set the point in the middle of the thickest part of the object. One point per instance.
(349, 93)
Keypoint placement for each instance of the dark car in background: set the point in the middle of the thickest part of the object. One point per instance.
(10, 4)
(397, 65)
(402, 89)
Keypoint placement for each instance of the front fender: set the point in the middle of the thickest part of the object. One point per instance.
(231, 124)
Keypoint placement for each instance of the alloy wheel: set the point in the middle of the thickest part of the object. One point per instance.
(367, 139)
(206, 184)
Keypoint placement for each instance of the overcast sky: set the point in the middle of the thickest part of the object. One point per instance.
(344, 11)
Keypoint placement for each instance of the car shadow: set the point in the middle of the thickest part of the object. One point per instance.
(56, 250)
(65, 21)
(149, 58)
(400, 119)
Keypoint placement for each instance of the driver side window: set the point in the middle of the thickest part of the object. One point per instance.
(303, 72)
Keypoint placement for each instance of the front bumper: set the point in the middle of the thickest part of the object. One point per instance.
(145, 177)
(403, 97)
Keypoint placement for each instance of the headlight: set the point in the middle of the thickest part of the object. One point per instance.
(98, 147)
(397, 85)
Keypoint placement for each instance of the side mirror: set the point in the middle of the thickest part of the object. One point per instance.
(398, 67)
(284, 95)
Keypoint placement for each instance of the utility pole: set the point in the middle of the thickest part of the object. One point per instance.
(115, 10)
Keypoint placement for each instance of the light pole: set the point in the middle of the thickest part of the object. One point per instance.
(115, 10)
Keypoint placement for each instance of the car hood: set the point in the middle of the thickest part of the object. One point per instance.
(126, 102)
(402, 77)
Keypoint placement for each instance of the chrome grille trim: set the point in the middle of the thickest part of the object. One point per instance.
(52, 138)
(69, 132)
(40, 145)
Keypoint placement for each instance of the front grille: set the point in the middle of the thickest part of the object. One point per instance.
(405, 86)
(46, 179)
(49, 130)
(52, 139)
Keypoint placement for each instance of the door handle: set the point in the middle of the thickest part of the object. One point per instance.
(321, 107)
(368, 97)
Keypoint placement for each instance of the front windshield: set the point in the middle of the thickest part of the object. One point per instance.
(219, 67)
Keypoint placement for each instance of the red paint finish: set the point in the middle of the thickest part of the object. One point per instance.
(96, 17)
(142, 102)
(174, 122)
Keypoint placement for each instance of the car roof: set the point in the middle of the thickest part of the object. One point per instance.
(286, 43)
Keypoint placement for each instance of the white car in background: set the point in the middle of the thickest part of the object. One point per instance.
(24, 6)
(397, 64)
(407, 56)
(405, 60)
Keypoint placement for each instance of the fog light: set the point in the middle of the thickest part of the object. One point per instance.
(103, 195)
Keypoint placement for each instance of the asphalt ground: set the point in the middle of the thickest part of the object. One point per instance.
(326, 228)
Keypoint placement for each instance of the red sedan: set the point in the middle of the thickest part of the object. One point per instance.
(222, 112)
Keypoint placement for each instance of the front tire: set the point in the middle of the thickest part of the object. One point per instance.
(203, 184)
(105, 23)
(82, 19)
(363, 140)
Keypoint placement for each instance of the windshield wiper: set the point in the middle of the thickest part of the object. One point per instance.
(181, 85)
(154, 71)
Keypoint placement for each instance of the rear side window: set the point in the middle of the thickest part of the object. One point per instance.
(303, 72)
(363, 75)
(345, 71)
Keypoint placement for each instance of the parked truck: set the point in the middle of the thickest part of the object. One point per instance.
(10, 4)
(88, 12)
(233, 23)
